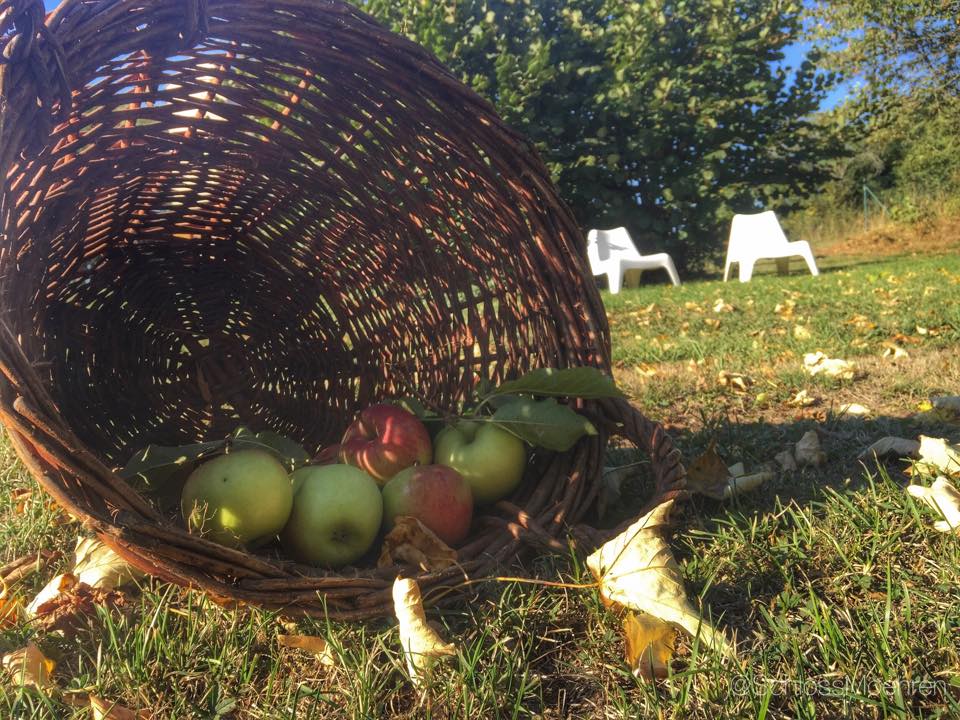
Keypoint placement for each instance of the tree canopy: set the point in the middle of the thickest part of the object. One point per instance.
(666, 116)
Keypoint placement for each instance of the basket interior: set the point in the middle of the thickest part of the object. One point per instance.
(297, 216)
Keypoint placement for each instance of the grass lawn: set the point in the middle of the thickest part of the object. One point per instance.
(844, 601)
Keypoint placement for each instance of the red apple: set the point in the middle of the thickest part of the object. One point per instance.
(384, 440)
(438, 496)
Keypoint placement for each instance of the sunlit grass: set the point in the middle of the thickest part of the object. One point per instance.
(843, 600)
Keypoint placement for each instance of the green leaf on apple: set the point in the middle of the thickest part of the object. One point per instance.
(588, 383)
(543, 423)
(413, 406)
(162, 469)
(287, 451)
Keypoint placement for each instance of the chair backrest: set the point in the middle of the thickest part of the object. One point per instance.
(760, 230)
(616, 244)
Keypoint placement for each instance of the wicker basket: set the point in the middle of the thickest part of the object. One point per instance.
(271, 212)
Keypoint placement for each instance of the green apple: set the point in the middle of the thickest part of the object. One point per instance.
(238, 499)
(489, 458)
(337, 511)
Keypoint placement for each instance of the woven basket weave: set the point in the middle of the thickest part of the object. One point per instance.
(274, 213)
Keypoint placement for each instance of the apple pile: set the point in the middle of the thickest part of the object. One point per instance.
(331, 514)
(252, 488)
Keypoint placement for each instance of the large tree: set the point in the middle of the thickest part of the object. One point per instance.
(903, 59)
(899, 48)
(663, 115)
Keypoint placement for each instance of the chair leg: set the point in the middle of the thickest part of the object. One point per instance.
(672, 272)
(726, 270)
(614, 280)
(807, 254)
(746, 270)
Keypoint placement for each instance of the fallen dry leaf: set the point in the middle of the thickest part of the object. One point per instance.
(637, 570)
(786, 460)
(28, 666)
(939, 454)
(68, 611)
(10, 607)
(745, 483)
(943, 497)
(721, 306)
(817, 363)
(645, 370)
(708, 474)
(801, 332)
(785, 309)
(737, 469)
(100, 567)
(891, 446)
(649, 645)
(802, 399)
(808, 451)
(410, 542)
(104, 710)
(21, 496)
(734, 381)
(854, 409)
(894, 352)
(420, 642)
(52, 590)
(311, 644)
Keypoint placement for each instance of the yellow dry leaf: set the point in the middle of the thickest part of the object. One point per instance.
(854, 409)
(737, 469)
(311, 644)
(734, 381)
(410, 542)
(802, 399)
(891, 446)
(894, 352)
(721, 306)
(785, 309)
(28, 666)
(10, 607)
(786, 460)
(420, 642)
(649, 645)
(21, 496)
(808, 451)
(939, 454)
(817, 363)
(645, 370)
(52, 590)
(100, 567)
(105, 710)
(745, 483)
(801, 332)
(708, 473)
(637, 570)
(943, 497)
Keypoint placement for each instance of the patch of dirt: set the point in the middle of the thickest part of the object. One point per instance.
(930, 236)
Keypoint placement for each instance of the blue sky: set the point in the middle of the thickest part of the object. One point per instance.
(794, 56)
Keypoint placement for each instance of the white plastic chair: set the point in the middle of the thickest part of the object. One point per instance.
(612, 253)
(753, 237)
